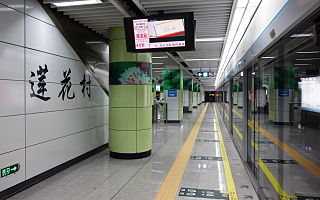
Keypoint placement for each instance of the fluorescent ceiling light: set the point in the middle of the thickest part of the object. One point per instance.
(76, 3)
(302, 64)
(94, 42)
(160, 57)
(203, 59)
(302, 35)
(157, 63)
(218, 39)
(307, 52)
(308, 59)
(267, 57)
(157, 68)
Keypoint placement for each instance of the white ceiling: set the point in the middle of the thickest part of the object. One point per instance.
(212, 19)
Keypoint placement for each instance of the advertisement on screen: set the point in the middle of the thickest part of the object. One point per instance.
(146, 31)
(160, 33)
(310, 97)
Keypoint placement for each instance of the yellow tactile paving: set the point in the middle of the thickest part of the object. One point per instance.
(282, 194)
(227, 170)
(170, 186)
(305, 162)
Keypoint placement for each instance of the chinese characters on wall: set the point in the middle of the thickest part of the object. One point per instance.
(38, 85)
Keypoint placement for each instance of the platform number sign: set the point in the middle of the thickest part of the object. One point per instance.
(10, 170)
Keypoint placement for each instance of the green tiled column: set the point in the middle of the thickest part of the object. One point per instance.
(130, 116)
(195, 94)
(282, 84)
(188, 84)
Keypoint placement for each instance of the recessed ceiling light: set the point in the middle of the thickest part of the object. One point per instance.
(302, 35)
(218, 39)
(307, 52)
(203, 59)
(76, 3)
(157, 68)
(160, 57)
(308, 59)
(267, 57)
(94, 42)
(157, 63)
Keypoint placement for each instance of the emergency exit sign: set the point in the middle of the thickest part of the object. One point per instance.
(10, 170)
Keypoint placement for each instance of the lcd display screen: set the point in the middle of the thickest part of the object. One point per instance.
(160, 33)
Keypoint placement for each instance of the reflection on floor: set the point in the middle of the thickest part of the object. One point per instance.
(204, 177)
(288, 175)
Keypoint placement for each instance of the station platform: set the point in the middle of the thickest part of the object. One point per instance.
(190, 161)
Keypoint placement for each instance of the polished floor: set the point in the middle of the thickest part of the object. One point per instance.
(205, 175)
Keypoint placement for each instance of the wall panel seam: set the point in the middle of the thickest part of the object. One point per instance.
(79, 132)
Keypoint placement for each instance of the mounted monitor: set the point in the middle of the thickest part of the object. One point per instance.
(160, 33)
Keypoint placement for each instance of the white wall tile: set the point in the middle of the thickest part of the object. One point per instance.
(47, 38)
(11, 98)
(12, 62)
(42, 127)
(97, 97)
(56, 66)
(35, 105)
(15, 4)
(83, 71)
(56, 130)
(92, 117)
(50, 154)
(11, 30)
(9, 159)
(34, 9)
(12, 131)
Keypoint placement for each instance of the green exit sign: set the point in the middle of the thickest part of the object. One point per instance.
(10, 170)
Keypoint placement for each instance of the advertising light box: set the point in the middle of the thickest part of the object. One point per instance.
(310, 97)
(160, 33)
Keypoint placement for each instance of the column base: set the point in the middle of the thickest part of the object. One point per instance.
(186, 110)
(130, 155)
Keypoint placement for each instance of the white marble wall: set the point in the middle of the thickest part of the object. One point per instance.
(37, 134)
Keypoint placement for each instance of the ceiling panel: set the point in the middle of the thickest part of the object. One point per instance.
(212, 18)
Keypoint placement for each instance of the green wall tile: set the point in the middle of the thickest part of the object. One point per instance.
(117, 33)
(144, 95)
(122, 55)
(122, 119)
(144, 118)
(123, 141)
(122, 96)
(144, 138)
(144, 57)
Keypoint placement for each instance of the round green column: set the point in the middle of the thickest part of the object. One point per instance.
(130, 99)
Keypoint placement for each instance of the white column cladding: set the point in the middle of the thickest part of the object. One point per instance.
(186, 101)
(172, 97)
(240, 99)
(185, 98)
(195, 101)
(190, 96)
